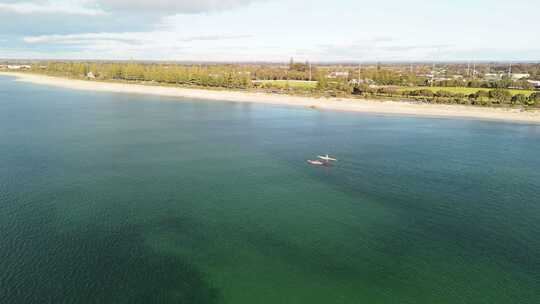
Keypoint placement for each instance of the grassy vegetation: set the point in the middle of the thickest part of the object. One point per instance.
(281, 84)
(459, 90)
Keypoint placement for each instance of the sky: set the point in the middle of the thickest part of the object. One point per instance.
(271, 30)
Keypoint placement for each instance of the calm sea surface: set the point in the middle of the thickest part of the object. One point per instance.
(108, 198)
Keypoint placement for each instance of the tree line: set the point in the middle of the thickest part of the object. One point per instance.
(498, 96)
(368, 82)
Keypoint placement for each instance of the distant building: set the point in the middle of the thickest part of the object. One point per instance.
(518, 76)
(361, 81)
(442, 79)
(335, 75)
(90, 75)
(493, 77)
(535, 83)
(18, 67)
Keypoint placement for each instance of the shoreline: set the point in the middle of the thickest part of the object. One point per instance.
(396, 108)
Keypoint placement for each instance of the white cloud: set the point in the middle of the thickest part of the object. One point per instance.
(277, 30)
(57, 7)
(172, 6)
(99, 7)
(155, 45)
(83, 38)
(135, 38)
(378, 48)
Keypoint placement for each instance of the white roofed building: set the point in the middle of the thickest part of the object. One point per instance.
(518, 76)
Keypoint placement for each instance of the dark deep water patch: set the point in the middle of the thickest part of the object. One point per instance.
(94, 265)
(110, 198)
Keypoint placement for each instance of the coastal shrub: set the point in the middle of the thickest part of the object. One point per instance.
(387, 91)
(459, 98)
(534, 99)
(485, 102)
(520, 99)
(500, 96)
(482, 94)
(479, 98)
(266, 85)
(363, 89)
(409, 93)
(423, 92)
(443, 93)
(358, 90)
(460, 95)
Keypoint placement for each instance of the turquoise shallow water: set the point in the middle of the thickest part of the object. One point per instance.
(108, 198)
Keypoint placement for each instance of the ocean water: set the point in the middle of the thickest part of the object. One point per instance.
(110, 198)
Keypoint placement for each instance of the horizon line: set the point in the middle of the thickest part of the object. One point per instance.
(286, 62)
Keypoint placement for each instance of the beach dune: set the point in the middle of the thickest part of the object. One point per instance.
(406, 108)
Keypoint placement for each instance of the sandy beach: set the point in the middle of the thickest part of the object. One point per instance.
(336, 104)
